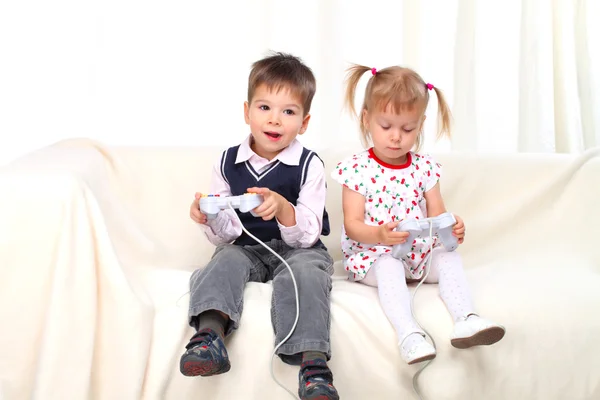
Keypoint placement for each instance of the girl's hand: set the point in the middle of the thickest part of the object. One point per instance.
(459, 229)
(388, 236)
(195, 213)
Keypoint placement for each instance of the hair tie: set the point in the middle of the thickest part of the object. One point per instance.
(429, 86)
(373, 71)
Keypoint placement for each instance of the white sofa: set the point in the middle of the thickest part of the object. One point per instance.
(96, 248)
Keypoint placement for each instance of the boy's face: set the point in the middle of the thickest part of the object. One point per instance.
(275, 117)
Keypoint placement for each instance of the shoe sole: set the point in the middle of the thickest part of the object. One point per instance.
(485, 337)
(320, 397)
(422, 359)
(203, 368)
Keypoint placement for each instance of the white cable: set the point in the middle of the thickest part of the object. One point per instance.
(412, 310)
(297, 301)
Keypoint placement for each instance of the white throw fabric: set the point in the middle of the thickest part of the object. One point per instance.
(96, 249)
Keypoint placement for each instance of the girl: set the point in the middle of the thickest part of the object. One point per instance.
(388, 183)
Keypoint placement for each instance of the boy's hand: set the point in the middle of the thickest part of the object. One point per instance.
(388, 236)
(273, 205)
(195, 213)
(459, 229)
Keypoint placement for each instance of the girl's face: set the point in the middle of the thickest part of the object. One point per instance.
(393, 135)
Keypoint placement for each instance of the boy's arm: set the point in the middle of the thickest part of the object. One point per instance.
(305, 231)
(225, 228)
(300, 225)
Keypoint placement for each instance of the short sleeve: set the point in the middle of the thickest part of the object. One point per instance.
(350, 173)
(432, 171)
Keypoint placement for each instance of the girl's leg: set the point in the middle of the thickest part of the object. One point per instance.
(469, 329)
(447, 269)
(388, 275)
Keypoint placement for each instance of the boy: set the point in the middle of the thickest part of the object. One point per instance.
(270, 162)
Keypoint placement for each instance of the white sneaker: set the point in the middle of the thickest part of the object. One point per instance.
(417, 352)
(476, 331)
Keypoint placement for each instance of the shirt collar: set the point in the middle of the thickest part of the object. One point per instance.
(289, 156)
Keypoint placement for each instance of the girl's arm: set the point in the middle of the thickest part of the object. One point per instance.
(353, 204)
(435, 203)
(435, 207)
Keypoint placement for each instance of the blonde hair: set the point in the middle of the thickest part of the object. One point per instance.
(282, 70)
(398, 87)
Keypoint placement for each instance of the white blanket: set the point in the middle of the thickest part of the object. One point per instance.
(96, 249)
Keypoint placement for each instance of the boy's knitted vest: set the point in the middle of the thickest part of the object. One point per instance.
(287, 180)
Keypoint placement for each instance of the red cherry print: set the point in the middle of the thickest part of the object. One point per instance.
(393, 178)
(402, 181)
(380, 222)
(373, 180)
(340, 171)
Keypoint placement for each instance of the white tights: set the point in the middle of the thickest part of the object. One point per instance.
(388, 275)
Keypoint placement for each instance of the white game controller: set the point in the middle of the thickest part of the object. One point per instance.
(210, 205)
(442, 226)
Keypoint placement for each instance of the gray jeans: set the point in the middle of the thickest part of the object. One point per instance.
(220, 286)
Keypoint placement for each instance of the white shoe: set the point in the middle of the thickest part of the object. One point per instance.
(476, 331)
(419, 352)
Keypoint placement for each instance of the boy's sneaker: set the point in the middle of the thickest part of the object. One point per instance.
(316, 381)
(206, 355)
(476, 331)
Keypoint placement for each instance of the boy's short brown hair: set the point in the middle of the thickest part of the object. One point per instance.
(281, 70)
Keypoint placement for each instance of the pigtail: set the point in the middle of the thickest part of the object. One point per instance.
(352, 78)
(354, 74)
(444, 116)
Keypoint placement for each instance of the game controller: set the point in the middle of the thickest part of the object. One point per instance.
(210, 205)
(442, 227)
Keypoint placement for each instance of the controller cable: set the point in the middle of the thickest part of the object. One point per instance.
(415, 381)
(297, 301)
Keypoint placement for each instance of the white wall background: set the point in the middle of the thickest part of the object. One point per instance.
(521, 75)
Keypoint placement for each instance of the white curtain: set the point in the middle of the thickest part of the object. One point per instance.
(520, 75)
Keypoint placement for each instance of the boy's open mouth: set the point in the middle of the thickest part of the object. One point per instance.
(273, 135)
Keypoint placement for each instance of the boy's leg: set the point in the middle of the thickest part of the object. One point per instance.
(309, 344)
(216, 302)
(469, 328)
